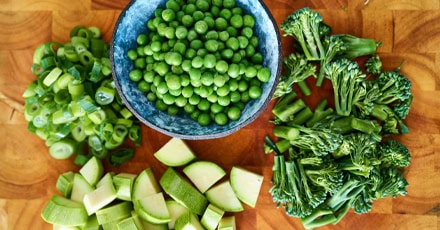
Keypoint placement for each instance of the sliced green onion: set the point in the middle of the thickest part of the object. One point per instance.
(97, 117)
(119, 133)
(126, 113)
(95, 31)
(104, 95)
(38, 54)
(95, 143)
(135, 134)
(52, 76)
(78, 132)
(62, 97)
(120, 156)
(87, 104)
(62, 149)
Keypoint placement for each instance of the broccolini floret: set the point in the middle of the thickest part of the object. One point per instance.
(297, 69)
(394, 87)
(362, 155)
(356, 46)
(373, 65)
(348, 86)
(305, 26)
(394, 154)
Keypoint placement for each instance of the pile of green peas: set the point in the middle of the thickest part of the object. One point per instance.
(200, 57)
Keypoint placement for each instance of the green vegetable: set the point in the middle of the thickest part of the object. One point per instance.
(74, 99)
(194, 53)
(340, 156)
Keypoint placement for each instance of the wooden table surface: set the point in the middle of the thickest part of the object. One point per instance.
(409, 30)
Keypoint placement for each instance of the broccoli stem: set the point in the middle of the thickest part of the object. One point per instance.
(357, 47)
(301, 117)
(285, 99)
(283, 145)
(367, 126)
(305, 89)
(343, 125)
(347, 192)
(320, 113)
(286, 112)
(286, 132)
(320, 217)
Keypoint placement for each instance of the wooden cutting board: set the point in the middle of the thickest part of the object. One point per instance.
(409, 30)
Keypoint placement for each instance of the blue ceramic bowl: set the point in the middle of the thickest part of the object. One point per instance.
(132, 22)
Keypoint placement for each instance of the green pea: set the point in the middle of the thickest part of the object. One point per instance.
(263, 74)
(175, 92)
(229, 4)
(235, 96)
(187, 20)
(155, 46)
(234, 113)
(209, 21)
(223, 91)
(180, 48)
(143, 86)
(188, 108)
(224, 101)
(212, 98)
(227, 53)
(173, 58)
(198, 15)
(140, 51)
(201, 27)
(236, 58)
(245, 96)
(196, 44)
(211, 45)
(205, 91)
(247, 32)
(195, 115)
(168, 99)
(190, 53)
(236, 21)
(160, 105)
(234, 70)
(221, 23)
(250, 51)
(215, 11)
(186, 65)
(257, 58)
(220, 80)
(135, 75)
(243, 86)
(151, 97)
(209, 61)
(223, 36)
(221, 119)
(248, 21)
(162, 88)
(233, 32)
(217, 108)
(197, 62)
(142, 39)
(202, 5)
(161, 68)
(132, 55)
(184, 80)
(172, 4)
(204, 119)
(194, 99)
(255, 92)
(181, 101)
(168, 15)
(173, 110)
(207, 78)
(149, 76)
(140, 63)
(221, 66)
(233, 43)
(226, 14)
(211, 35)
(237, 10)
(217, 3)
(204, 105)
(254, 41)
(157, 79)
(187, 91)
(173, 82)
(250, 72)
(195, 74)
(190, 8)
(202, 52)
(181, 32)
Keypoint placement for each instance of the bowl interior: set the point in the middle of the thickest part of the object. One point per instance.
(132, 22)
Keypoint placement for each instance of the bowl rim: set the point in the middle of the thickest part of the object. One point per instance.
(222, 133)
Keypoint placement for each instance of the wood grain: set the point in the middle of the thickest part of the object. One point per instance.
(409, 30)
